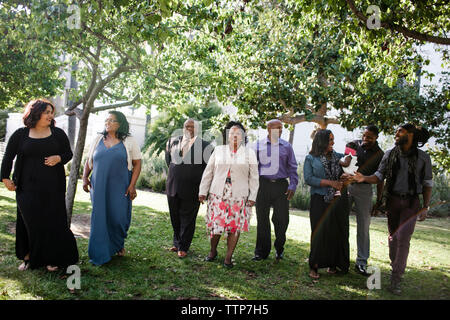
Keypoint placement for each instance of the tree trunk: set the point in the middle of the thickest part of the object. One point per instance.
(148, 123)
(291, 135)
(75, 167)
(71, 130)
(72, 120)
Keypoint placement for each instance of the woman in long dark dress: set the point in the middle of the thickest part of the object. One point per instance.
(329, 211)
(43, 237)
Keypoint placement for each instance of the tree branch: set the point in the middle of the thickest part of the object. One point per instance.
(110, 95)
(77, 112)
(101, 37)
(120, 69)
(319, 119)
(394, 27)
(74, 105)
(116, 105)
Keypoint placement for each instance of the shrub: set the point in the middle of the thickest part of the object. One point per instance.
(68, 166)
(440, 196)
(441, 211)
(302, 196)
(153, 173)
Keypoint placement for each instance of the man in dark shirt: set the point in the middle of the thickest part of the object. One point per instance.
(369, 156)
(408, 173)
(186, 158)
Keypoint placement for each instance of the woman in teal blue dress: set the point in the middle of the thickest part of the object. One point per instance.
(114, 160)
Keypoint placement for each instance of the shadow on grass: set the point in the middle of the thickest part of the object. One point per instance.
(150, 271)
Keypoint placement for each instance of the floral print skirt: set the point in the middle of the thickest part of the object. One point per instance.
(227, 215)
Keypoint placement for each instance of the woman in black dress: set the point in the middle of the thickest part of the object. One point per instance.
(329, 208)
(43, 237)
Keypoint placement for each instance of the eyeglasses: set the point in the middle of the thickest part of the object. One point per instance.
(110, 120)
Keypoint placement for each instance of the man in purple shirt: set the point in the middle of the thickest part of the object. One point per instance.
(276, 163)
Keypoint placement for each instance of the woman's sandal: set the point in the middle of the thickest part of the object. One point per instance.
(121, 252)
(25, 265)
(314, 274)
(332, 270)
(52, 268)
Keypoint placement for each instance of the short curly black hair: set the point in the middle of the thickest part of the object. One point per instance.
(229, 126)
(34, 110)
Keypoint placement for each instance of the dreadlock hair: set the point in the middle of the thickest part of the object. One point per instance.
(421, 135)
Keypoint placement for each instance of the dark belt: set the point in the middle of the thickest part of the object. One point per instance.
(274, 180)
(404, 196)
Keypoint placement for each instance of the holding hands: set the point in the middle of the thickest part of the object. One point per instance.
(343, 181)
(335, 184)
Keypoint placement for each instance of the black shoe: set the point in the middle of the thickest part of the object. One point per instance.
(279, 256)
(362, 270)
(395, 286)
(258, 258)
(228, 265)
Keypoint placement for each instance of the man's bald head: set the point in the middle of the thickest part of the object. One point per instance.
(274, 122)
(274, 128)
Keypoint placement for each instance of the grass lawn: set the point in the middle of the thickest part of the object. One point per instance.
(150, 271)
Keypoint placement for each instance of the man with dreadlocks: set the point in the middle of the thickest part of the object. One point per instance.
(407, 171)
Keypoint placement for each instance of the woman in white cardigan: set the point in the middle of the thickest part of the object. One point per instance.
(231, 182)
(115, 161)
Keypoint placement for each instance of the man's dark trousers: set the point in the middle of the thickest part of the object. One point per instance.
(183, 180)
(402, 215)
(183, 214)
(271, 193)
